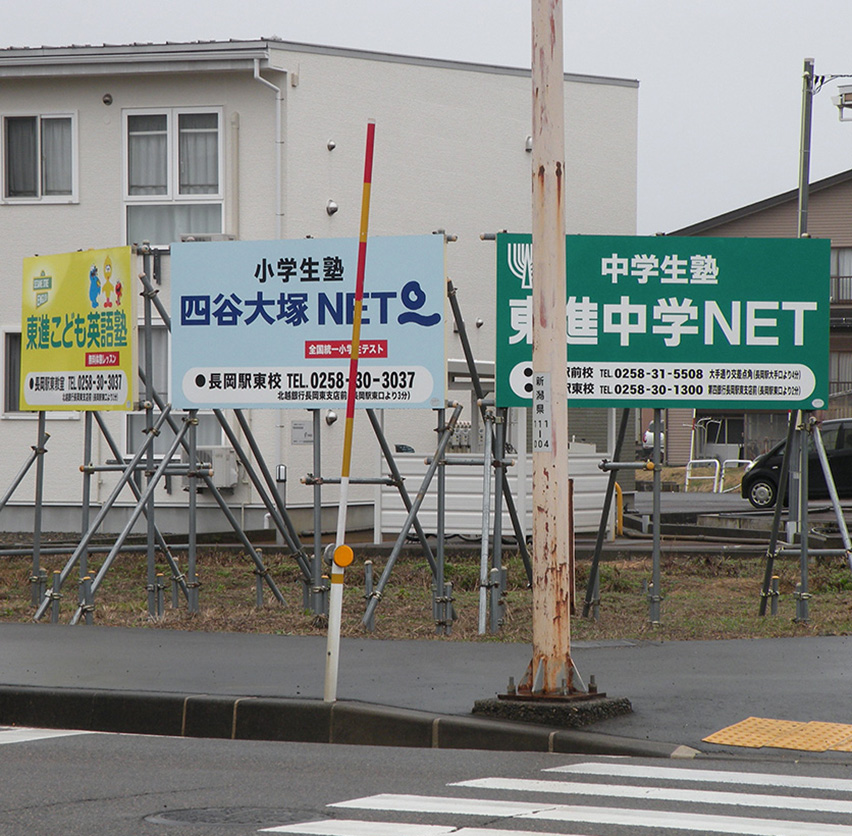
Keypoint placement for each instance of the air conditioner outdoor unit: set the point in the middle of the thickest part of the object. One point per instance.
(222, 460)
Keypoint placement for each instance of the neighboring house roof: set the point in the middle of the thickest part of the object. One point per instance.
(209, 56)
(762, 205)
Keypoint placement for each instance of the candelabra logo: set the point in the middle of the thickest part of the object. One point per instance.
(520, 263)
(521, 380)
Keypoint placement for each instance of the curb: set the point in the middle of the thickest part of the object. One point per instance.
(304, 721)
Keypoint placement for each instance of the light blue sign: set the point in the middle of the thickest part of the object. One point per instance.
(259, 324)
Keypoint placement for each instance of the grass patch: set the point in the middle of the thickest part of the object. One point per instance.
(704, 597)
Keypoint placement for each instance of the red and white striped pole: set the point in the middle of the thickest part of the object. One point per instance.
(343, 554)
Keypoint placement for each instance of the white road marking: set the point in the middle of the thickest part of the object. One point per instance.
(347, 827)
(21, 735)
(669, 773)
(735, 799)
(634, 820)
(661, 819)
(437, 804)
(658, 819)
(487, 831)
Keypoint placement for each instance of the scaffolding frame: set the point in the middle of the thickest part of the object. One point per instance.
(142, 473)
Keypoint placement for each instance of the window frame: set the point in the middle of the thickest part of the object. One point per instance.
(23, 414)
(9, 395)
(173, 196)
(40, 198)
(840, 283)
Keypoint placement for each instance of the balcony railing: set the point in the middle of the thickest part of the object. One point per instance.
(841, 289)
(840, 388)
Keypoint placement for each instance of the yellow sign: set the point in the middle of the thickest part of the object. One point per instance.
(78, 331)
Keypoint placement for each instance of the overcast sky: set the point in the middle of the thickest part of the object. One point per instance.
(720, 80)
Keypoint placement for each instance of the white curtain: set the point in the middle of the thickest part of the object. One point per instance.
(147, 152)
(198, 153)
(56, 156)
(164, 223)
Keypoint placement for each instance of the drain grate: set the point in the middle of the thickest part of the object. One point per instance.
(259, 816)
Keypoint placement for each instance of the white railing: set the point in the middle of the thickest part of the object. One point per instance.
(726, 465)
(702, 463)
(718, 474)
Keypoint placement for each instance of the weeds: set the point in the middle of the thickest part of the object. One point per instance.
(704, 597)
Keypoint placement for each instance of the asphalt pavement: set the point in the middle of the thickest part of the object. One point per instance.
(407, 692)
(417, 693)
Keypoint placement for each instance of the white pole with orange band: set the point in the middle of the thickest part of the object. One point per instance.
(343, 554)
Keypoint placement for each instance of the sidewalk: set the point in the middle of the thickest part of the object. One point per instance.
(405, 692)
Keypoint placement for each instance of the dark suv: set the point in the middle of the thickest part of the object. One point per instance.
(760, 481)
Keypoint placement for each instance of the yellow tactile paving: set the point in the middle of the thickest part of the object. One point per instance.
(758, 732)
(843, 746)
(753, 733)
(813, 737)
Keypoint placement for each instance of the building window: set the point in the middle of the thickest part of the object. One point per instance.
(39, 158)
(208, 431)
(12, 372)
(840, 372)
(174, 174)
(841, 274)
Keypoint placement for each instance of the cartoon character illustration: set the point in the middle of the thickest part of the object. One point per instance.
(118, 290)
(94, 285)
(108, 285)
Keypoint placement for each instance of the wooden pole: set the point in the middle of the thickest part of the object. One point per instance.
(551, 670)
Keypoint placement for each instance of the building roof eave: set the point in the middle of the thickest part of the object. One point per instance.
(762, 205)
(212, 56)
(46, 62)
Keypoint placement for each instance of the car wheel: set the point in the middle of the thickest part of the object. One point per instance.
(762, 493)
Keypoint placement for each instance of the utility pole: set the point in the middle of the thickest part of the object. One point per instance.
(551, 670)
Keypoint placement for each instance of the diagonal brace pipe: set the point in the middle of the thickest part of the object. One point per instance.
(421, 495)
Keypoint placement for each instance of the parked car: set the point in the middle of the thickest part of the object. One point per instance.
(760, 481)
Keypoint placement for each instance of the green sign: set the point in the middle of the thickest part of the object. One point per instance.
(722, 323)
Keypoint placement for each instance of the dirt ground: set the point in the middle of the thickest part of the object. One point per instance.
(704, 596)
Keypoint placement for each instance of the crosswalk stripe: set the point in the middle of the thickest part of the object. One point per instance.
(594, 815)
(736, 799)
(348, 827)
(488, 831)
(668, 773)
(401, 803)
(344, 827)
(22, 735)
(703, 823)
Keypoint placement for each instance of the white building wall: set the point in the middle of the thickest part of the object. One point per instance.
(450, 154)
(97, 220)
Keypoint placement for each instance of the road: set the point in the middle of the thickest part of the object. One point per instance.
(125, 785)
